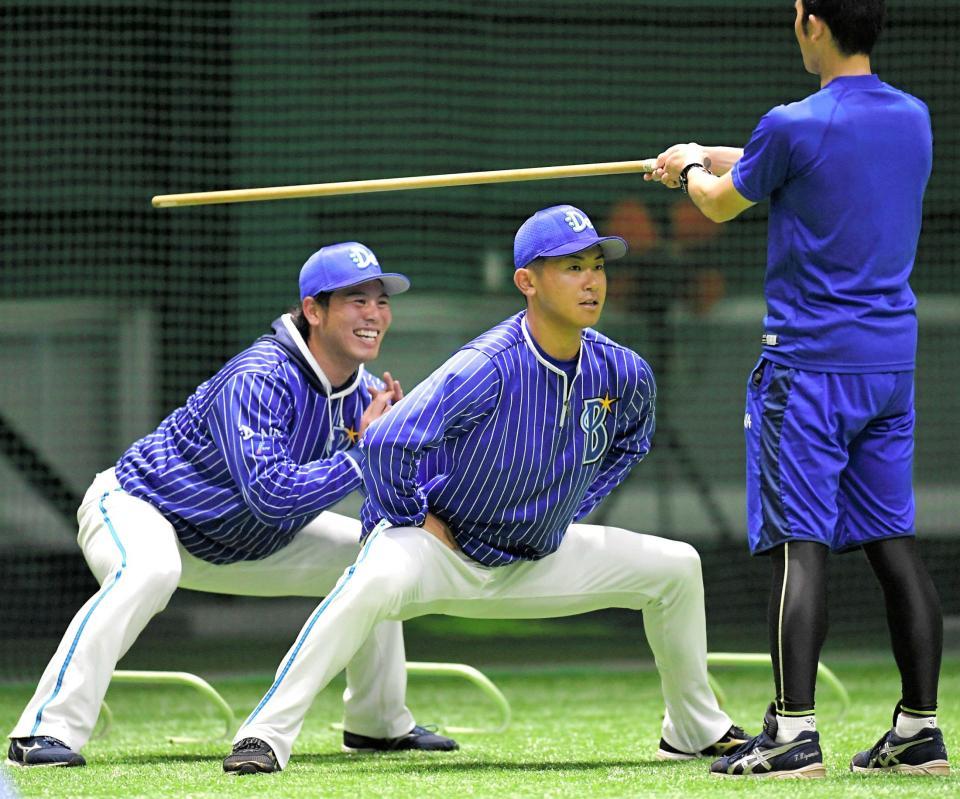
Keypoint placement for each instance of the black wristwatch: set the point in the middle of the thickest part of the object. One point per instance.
(687, 168)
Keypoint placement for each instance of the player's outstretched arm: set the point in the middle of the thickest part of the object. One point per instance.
(718, 160)
(250, 424)
(448, 404)
(708, 177)
(715, 196)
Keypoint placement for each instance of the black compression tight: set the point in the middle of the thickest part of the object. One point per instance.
(797, 620)
(914, 618)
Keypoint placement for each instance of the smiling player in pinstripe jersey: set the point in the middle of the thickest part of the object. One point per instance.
(228, 495)
(474, 484)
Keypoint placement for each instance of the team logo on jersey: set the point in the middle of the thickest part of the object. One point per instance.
(362, 257)
(592, 420)
(577, 220)
(348, 435)
(246, 433)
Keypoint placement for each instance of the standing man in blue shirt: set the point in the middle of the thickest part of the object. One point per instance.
(474, 484)
(830, 415)
(229, 495)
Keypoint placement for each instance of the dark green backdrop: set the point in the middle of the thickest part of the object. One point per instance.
(111, 311)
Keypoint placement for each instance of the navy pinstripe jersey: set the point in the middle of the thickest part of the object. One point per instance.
(257, 451)
(497, 445)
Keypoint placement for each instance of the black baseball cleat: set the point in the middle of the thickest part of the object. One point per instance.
(731, 739)
(419, 738)
(923, 754)
(42, 750)
(251, 756)
(762, 756)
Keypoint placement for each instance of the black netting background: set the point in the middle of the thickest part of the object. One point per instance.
(111, 311)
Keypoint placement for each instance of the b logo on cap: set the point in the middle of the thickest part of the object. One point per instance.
(578, 221)
(363, 258)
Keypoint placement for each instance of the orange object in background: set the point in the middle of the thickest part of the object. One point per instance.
(689, 227)
(630, 220)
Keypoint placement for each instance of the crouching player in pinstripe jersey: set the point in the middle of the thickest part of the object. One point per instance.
(228, 495)
(474, 482)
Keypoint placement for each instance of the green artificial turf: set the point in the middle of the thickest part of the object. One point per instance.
(577, 732)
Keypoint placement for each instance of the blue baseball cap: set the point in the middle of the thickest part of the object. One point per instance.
(340, 266)
(561, 230)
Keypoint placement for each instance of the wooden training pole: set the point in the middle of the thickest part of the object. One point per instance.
(402, 184)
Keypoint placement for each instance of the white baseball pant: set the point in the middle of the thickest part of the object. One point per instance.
(135, 554)
(403, 572)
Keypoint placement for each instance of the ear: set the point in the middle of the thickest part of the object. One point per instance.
(816, 27)
(313, 312)
(525, 282)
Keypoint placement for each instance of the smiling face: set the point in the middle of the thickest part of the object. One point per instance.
(568, 291)
(348, 332)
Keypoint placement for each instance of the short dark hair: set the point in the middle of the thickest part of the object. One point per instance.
(855, 24)
(300, 321)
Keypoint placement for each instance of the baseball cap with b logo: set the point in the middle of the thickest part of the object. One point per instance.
(340, 266)
(561, 230)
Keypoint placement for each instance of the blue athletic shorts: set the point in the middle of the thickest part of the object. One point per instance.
(829, 457)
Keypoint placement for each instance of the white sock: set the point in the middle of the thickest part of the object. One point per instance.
(908, 726)
(789, 727)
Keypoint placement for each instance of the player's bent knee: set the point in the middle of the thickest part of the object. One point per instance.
(677, 559)
(397, 585)
(683, 562)
(384, 591)
(391, 575)
(158, 583)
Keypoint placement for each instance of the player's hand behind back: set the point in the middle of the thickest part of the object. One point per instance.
(383, 400)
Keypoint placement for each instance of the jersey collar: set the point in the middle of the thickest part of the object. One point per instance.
(304, 350)
(528, 340)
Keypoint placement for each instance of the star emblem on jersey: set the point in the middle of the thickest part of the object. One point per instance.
(607, 402)
(347, 435)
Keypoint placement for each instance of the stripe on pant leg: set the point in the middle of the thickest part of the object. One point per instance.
(102, 595)
(783, 601)
(771, 497)
(302, 639)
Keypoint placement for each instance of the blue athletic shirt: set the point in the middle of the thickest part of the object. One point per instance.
(845, 170)
(255, 453)
(499, 444)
